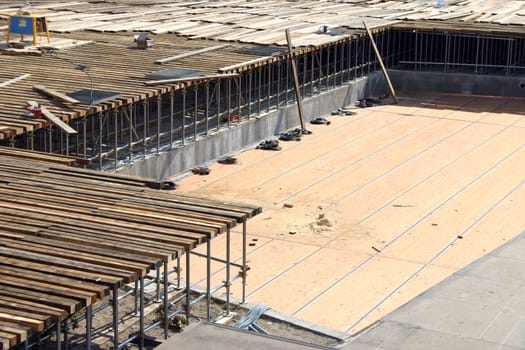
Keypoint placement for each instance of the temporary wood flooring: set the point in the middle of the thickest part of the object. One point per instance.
(370, 211)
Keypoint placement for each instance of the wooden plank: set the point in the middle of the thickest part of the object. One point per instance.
(188, 54)
(10, 337)
(383, 68)
(21, 334)
(297, 90)
(34, 324)
(187, 79)
(60, 312)
(14, 80)
(56, 94)
(54, 119)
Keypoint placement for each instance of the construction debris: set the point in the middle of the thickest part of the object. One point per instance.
(201, 170)
(343, 112)
(294, 135)
(320, 121)
(272, 145)
(227, 160)
(169, 185)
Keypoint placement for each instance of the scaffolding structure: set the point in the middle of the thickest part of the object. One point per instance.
(184, 112)
(63, 256)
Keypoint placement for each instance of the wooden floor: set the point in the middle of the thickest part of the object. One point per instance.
(372, 210)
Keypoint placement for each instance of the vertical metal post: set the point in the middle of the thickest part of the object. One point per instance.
(244, 267)
(259, 92)
(88, 327)
(183, 115)
(229, 101)
(342, 62)
(218, 99)
(510, 43)
(208, 279)
(312, 73)
(115, 317)
(50, 133)
(278, 83)
(320, 53)
(165, 278)
(447, 51)
(157, 282)
(206, 106)
(172, 110)
(188, 287)
(178, 271)
(58, 336)
(131, 128)
(250, 73)
(100, 131)
(141, 318)
(195, 110)
(136, 297)
(31, 140)
(269, 85)
(303, 84)
(477, 54)
(115, 147)
(159, 121)
(239, 98)
(228, 268)
(145, 110)
(84, 136)
(66, 335)
(67, 145)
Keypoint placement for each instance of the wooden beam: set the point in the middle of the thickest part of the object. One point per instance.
(189, 54)
(183, 80)
(383, 68)
(295, 80)
(54, 119)
(14, 80)
(54, 93)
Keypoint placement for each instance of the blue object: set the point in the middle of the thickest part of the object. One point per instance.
(21, 25)
(440, 3)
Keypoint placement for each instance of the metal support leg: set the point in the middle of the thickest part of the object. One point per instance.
(58, 335)
(159, 121)
(115, 317)
(165, 300)
(244, 241)
(178, 272)
(136, 294)
(228, 248)
(208, 279)
(141, 318)
(88, 327)
(66, 335)
(157, 281)
(99, 146)
(183, 115)
(188, 287)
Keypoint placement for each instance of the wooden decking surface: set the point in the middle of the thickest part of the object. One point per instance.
(368, 212)
(68, 235)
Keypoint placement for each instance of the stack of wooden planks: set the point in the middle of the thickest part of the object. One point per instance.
(68, 236)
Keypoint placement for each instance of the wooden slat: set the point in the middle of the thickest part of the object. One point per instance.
(54, 119)
(56, 94)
